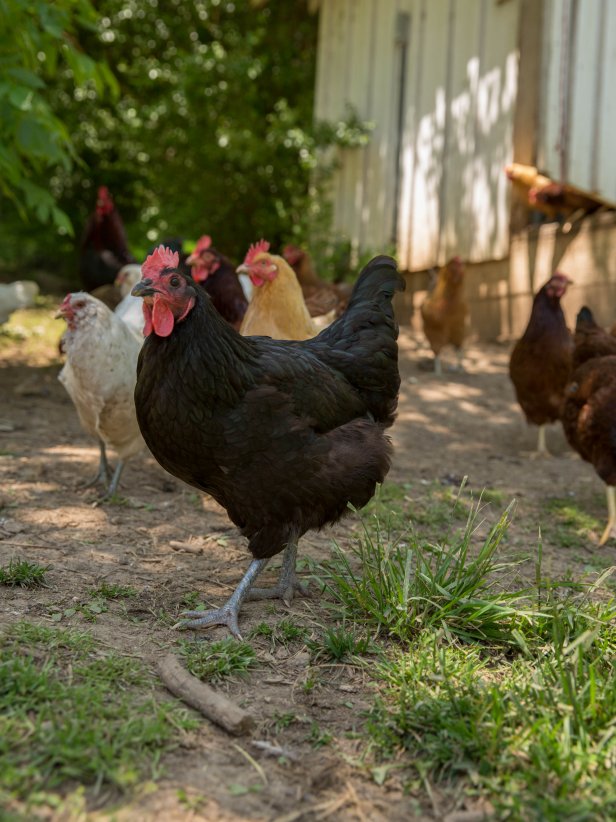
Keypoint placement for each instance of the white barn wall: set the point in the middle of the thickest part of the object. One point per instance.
(460, 91)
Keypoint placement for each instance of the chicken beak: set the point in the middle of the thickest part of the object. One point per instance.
(144, 289)
(242, 269)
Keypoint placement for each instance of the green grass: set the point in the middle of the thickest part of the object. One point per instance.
(568, 525)
(484, 688)
(23, 573)
(340, 643)
(73, 712)
(284, 633)
(534, 733)
(401, 587)
(214, 661)
(106, 591)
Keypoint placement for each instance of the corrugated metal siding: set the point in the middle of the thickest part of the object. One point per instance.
(459, 89)
(579, 112)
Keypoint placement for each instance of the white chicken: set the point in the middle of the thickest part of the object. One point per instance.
(130, 309)
(99, 375)
(18, 294)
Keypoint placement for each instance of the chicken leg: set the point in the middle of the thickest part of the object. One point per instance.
(113, 485)
(611, 513)
(229, 612)
(288, 585)
(103, 474)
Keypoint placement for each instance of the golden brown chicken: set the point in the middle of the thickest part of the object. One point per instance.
(444, 312)
(540, 364)
(277, 308)
(589, 407)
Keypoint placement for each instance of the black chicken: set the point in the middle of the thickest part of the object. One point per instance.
(217, 275)
(283, 434)
(104, 248)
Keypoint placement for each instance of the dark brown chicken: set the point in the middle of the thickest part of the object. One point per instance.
(540, 364)
(283, 434)
(320, 295)
(589, 412)
(217, 275)
(104, 248)
(590, 339)
(444, 312)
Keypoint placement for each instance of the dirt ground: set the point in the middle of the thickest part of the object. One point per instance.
(464, 424)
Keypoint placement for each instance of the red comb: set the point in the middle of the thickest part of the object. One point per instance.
(203, 243)
(159, 259)
(255, 248)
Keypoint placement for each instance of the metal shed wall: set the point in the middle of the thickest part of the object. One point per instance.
(438, 78)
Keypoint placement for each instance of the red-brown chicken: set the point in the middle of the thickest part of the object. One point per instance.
(217, 275)
(589, 409)
(320, 296)
(540, 364)
(283, 434)
(104, 248)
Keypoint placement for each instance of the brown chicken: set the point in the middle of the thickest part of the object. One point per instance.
(283, 434)
(590, 339)
(318, 293)
(444, 312)
(277, 308)
(589, 411)
(541, 360)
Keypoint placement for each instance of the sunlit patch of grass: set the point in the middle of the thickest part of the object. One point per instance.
(213, 661)
(71, 712)
(568, 525)
(404, 586)
(34, 331)
(283, 633)
(23, 573)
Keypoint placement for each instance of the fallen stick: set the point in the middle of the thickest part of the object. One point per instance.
(203, 698)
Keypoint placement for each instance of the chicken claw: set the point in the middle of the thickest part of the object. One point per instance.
(229, 612)
(288, 585)
(103, 473)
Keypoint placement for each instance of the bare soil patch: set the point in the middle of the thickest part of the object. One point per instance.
(462, 425)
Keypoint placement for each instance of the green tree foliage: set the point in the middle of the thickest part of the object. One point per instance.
(38, 41)
(212, 130)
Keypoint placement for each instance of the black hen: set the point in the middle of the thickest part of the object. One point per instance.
(104, 247)
(283, 434)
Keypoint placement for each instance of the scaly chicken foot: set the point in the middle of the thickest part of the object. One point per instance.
(611, 514)
(103, 475)
(115, 480)
(229, 612)
(288, 585)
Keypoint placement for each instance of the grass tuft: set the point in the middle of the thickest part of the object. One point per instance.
(23, 573)
(214, 661)
(404, 586)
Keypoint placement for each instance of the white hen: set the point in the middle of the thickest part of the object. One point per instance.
(99, 376)
(130, 309)
(18, 294)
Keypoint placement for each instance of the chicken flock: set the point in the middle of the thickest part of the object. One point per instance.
(272, 390)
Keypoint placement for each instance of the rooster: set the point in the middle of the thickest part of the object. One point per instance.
(217, 275)
(589, 407)
(277, 308)
(99, 375)
(444, 312)
(104, 248)
(283, 434)
(541, 360)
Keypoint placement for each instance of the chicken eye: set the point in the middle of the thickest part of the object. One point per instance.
(174, 281)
